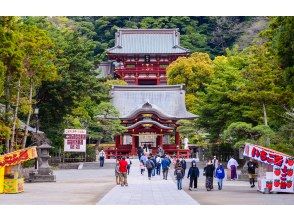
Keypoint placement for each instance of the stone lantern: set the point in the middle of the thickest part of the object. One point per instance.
(44, 172)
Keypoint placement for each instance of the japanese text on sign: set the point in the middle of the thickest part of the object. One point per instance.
(75, 140)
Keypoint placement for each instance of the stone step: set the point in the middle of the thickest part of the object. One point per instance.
(96, 165)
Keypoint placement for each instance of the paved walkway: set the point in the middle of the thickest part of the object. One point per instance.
(142, 191)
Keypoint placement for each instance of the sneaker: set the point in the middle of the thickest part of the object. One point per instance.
(190, 188)
(126, 184)
(122, 185)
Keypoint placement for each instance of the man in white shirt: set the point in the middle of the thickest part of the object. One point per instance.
(102, 157)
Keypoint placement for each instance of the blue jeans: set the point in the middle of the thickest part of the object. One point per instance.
(220, 183)
(179, 183)
(101, 161)
(153, 171)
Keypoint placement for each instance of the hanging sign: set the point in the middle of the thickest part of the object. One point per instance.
(17, 157)
(75, 140)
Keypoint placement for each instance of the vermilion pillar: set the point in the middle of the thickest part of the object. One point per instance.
(177, 139)
(133, 150)
(117, 141)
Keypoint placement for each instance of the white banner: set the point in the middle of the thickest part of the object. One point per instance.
(75, 140)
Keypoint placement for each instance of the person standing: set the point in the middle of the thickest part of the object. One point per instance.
(150, 166)
(123, 171)
(184, 165)
(154, 168)
(193, 173)
(143, 159)
(208, 170)
(158, 164)
(165, 163)
(251, 171)
(179, 173)
(129, 165)
(140, 152)
(116, 172)
(215, 163)
(220, 175)
(232, 165)
(101, 157)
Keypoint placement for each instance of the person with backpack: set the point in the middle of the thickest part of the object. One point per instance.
(165, 163)
(150, 166)
(123, 164)
(193, 173)
(220, 175)
(208, 172)
(158, 164)
(179, 173)
(184, 165)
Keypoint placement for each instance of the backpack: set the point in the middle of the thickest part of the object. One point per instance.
(149, 164)
(179, 174)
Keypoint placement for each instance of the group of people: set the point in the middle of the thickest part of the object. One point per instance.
(155, 164)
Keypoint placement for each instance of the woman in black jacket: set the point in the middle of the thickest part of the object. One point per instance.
(193, 173)
(208, 170)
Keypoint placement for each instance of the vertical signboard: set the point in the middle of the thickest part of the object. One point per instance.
(75, 140)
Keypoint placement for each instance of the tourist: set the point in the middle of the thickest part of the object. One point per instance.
(150, 166)
(208, 172)
(176, 162)
(101, 157)
(154, 161)
(220, 175)
(184, 165)
(143, 159)
(251, 171)
(140, 152)
(215, 163)
(129, 165)
(193, 173)
(142, 167)
(165, 163)
(232, 166)
(123, 171)
(160, 151)
(158, 164)
(116, 172)
(179, 173)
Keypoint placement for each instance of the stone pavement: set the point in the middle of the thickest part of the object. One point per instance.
(142, 191)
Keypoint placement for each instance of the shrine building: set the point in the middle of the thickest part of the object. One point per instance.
(148, 107)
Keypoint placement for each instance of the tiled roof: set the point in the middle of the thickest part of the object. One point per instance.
(147, 41)
(170, 100)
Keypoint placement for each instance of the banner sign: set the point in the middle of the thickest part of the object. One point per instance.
(75, 140)
(17, 157)
(283, 166)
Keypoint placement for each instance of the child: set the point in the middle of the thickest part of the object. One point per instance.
(142, 167)
(220, 175)
(179, 173)
(116, 172)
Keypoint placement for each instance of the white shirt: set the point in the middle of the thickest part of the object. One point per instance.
(231, 162)
(158, 160)
(102, 154)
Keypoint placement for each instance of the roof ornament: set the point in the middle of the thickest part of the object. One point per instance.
(147, 105)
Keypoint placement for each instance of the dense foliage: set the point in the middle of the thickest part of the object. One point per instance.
(246, 94)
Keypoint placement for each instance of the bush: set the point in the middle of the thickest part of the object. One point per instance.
(29, 163)
(91, 153)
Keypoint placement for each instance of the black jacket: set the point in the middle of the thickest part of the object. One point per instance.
(183, 163)
(193, 172)
(251, 167)
(209, 170)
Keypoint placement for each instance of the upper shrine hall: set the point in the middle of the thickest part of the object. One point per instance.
(148, 107)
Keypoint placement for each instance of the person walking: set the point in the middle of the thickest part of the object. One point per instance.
(143, 159)
(150, 166)
(232, 166)
(179, 173)
(101, 157)
(184, 165)
(158, 164)
(140, 152)
(142, 168)
(129, 165)
(215, 164)
(208, 171)
(220, 175)
(193, 173)
(154, 168)
(165, 163)
(123, 172)
(251, 171)
(116, 172)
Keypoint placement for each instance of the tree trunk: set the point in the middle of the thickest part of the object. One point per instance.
(29, 117)
(7, 109)
(264, 114)
(12, 144)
